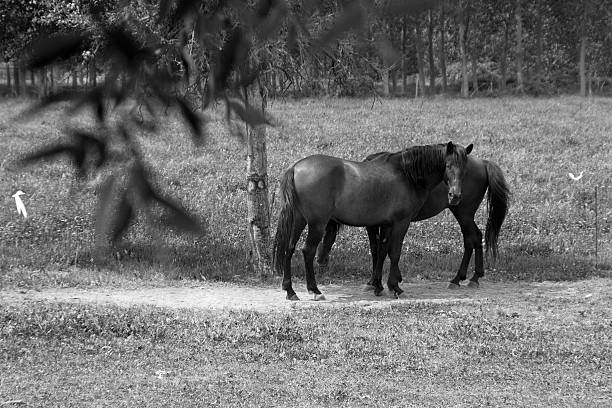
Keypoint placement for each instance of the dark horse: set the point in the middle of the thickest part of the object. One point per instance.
(480, 176)
(322, 190)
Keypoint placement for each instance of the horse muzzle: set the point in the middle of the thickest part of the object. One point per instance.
(454, 199)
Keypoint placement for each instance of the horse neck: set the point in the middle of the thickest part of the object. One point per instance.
(424, 166)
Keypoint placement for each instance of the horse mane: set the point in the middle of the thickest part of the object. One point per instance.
(418, 162)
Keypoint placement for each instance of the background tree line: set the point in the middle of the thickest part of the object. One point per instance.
(467, 47)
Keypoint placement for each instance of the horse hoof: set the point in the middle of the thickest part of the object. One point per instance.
(400, 295)
(378, 291)
(369, 288)
(453, 286)
(319, 296)
(473, 285)
(293, 297)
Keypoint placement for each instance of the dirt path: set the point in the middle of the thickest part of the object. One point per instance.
(229, 296)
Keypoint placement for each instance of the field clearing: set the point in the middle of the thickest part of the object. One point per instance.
(549, 232)
(73, 333)
(538, 344)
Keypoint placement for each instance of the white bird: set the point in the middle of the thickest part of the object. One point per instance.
(576, 178)
(20, 207)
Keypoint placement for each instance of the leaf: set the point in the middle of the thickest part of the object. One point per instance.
(195, 121)
(113, 213)
(177, 216)
(52, 151)
(188, 63)
(247, 113)
(121, 217)
(123, 43)
(60, 46)
(233, 54)
(89, 142)
(50, 99)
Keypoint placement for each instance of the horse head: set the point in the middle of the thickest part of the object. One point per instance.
(455, 159)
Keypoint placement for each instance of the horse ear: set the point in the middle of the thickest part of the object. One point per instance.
(450, 148)
(469, 148)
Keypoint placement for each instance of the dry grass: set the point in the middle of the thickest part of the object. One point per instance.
(549, 233)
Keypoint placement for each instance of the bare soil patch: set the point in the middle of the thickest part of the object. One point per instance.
(238, 297)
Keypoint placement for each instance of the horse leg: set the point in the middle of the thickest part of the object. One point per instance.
(298, 227)
(331, 231)
(315, 233)
(472, 239)
(396, 239)
(373, 237)
(478, 263)
(381, 243)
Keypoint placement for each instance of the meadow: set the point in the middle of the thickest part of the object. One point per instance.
(530, 348)
(549, 232)
(522, 347)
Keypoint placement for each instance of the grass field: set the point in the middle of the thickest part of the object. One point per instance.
(530, 348)
(527, 348)
(549, 232)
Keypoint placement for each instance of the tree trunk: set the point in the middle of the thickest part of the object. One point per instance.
(74, 78)
(539, 34)
(384, 77)
(520, 52)
(43, 84)
(8, 75)
(504, 59)
(23, 78)
(430, 52)
(420, 57)
(53, 85)
(394, 82)
(16, 80)
(583, 49)
(443, 48)
(403, 59)
(474, 72)
(462, 51)
(258, 206)
(582, 65)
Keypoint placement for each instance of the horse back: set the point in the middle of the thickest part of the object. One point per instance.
(353, 193)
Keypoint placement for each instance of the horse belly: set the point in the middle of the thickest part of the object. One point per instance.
(372, 208)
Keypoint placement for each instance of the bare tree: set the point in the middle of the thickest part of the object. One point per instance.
(520, 51)
(430, 53)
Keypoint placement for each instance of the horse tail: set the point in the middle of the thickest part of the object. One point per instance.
(284, 229)
(498, 200)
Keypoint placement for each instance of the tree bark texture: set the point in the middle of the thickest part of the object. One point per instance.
(384, 77)
(420, 57)
(430, 50)
(403, 59)
(463, 51)
(258, 206)
(504, 59)
(520, 51)
(443, 48)
(539, 40)
(583, 48)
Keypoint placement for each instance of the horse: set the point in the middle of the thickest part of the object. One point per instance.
(480, 176)
(321, 190)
